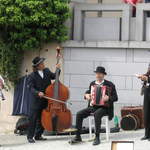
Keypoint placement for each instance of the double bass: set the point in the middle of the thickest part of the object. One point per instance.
(56, 117)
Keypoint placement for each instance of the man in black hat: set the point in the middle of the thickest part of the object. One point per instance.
(39, 80)
(97, 111)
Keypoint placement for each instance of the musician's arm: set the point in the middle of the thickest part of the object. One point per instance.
(148, 80)
(114, 96)
(53, 75)
(88, 91)
(144, 78)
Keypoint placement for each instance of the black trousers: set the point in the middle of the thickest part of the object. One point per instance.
(35, 127)
(98, 112)
(147, 111)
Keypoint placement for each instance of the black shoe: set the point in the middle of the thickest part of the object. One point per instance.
(96, 141)
(40, 138)
(145, 138)
(31, 141)
(148, 139)
(76, 139)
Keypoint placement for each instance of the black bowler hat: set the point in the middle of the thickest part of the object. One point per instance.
(100, 69)
(36, 61)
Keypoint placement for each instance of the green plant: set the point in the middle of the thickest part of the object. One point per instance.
(27, 25)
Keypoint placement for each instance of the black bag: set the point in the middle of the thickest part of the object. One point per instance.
(22, 126)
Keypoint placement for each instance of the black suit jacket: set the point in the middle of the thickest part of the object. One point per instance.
(38, 84)
(113, 96)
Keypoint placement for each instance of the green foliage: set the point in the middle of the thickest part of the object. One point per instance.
(27, 25)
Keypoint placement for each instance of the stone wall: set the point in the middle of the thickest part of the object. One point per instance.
(121, 65)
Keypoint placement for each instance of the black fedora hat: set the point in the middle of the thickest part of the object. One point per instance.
(100, 69)
(36, 61)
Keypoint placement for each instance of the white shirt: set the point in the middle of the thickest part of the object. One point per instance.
(99, 83)
(41, 73)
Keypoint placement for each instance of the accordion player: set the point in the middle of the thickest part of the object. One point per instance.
(101, 96)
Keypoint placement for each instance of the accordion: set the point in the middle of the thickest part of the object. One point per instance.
(97, 94)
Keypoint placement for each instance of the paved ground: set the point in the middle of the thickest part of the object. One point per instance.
(9, 141)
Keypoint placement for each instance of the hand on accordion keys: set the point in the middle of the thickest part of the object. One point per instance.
(87, 96)
(106, 98)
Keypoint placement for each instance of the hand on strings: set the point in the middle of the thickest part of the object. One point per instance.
(58, 65)
(40, 94)
(144, 78)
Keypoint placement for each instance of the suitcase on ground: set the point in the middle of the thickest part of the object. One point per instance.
(135, 111)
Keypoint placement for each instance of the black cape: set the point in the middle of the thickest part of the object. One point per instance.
(22, 97)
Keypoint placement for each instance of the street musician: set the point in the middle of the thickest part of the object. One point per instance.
(101, 96)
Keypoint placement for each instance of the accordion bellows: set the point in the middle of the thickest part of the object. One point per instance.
(97, 94)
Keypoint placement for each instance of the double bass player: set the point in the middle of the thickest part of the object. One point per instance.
(39, 79)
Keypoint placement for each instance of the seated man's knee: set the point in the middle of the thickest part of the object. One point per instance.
(98, 115)
(82, 114)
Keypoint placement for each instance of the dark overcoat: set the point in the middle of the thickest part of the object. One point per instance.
(38, 84)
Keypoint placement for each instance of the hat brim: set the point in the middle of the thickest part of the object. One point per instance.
(100, 72)
(39, 62)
